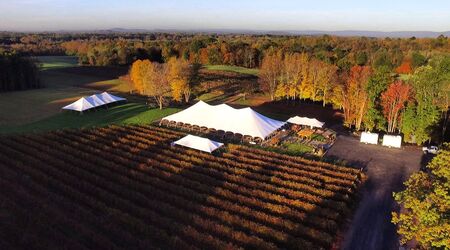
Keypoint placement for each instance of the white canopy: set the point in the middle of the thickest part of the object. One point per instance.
(108, 98)
(93, 101)
(199, 143)
(312, 122)
(244, 121)
(80, 105)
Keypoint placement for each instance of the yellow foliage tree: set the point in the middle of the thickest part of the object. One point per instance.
(179, 76)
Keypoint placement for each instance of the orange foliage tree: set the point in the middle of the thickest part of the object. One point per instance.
(404, 68)
(393, 101)
(150, 79)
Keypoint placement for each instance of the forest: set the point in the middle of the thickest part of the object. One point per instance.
(392, 85)
(18, 73)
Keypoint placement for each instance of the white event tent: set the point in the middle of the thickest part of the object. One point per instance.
(369, 138)
(244, 121)
(80, 105)
(85, 103)
(199, 143)
(305, 121)
(392, 141)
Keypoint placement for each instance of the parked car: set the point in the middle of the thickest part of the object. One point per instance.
(430, 150)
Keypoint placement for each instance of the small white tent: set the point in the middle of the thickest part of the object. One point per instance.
(80, 105)
(369, 138)
(93, 101)
(244, 121)
(392, 141)
(305, 121)
(199, 143)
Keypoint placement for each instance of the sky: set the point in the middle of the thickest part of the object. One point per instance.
(326, 15)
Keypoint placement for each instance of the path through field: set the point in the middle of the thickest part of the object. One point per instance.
(387, 169)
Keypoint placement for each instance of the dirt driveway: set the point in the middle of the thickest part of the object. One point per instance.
(387, 169)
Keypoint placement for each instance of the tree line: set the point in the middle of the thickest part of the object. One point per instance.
(18, 73)
(230, 49)
(371, 97)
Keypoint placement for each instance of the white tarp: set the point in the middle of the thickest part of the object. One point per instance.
(93, 101)
(392, 141)
(199, 143)
(371, 138)
(305, 121)
(80, 105)
(244, 121)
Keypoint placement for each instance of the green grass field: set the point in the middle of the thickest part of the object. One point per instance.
(40, 109)
(231, 68)
(129, 113)
(52, 62)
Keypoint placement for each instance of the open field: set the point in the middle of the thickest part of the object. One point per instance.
(53, 62)
(130, 113)
(126, 187)
(64, 82)
(231, 68)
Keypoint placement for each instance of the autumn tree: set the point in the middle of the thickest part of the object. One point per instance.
(393, 101)
(270, 73)
(404, 68)
(179, 76)
(156, 83)
(293, 76)
(323, 81)
(354, 95)
(425, 205)
(137, 72)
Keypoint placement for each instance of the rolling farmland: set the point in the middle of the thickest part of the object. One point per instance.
(126, 187)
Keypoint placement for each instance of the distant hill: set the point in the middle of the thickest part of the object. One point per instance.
(365, 33)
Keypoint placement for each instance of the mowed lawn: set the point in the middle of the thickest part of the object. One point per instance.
(123, 114)
(65, 82)
(52, 62)
(231, 68)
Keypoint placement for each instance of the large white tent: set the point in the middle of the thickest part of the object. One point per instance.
(244, 121)
(199, 143)
(305, 121)
(85, 103)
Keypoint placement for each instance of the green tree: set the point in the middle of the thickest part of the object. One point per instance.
(377, 83)
(424, 217)
(428, 83)
(361, 58)
(418, 59)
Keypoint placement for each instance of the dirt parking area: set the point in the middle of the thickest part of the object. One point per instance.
(387, 169)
